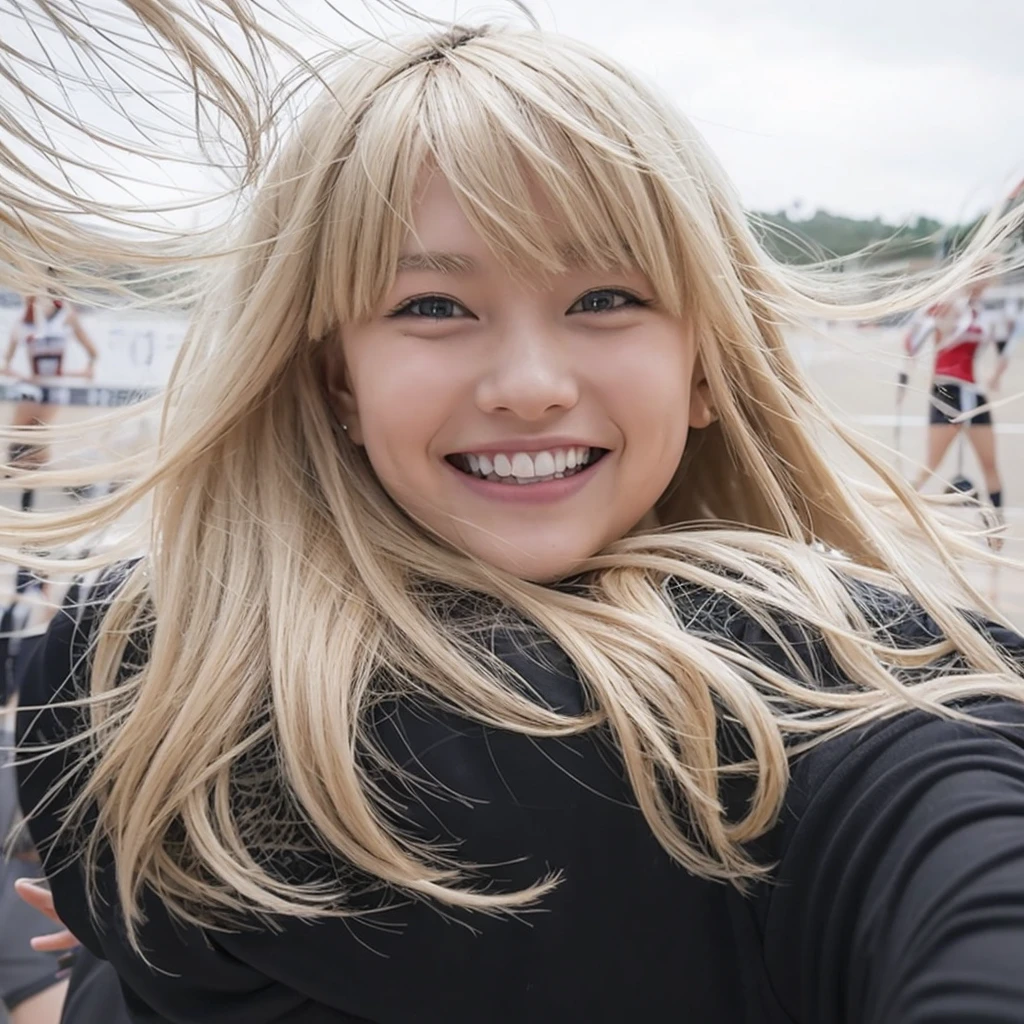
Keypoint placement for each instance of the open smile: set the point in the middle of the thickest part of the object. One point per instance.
(527, 468)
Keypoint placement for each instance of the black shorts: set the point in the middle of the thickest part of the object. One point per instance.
(949, 400)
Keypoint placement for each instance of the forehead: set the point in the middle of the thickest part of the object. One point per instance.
(534, 197)
(438, 221)
(442, 237)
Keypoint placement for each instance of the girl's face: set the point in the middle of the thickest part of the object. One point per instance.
(528, 423)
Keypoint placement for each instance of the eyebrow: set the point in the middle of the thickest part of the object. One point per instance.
(440, 262)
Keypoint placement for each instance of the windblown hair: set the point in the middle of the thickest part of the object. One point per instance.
(283, 594)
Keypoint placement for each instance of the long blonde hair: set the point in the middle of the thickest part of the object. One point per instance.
(283, 594)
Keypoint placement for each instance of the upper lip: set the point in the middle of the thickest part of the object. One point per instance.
(528, 445)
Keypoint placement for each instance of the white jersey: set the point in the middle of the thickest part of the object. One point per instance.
(46, 338)
(959, 330)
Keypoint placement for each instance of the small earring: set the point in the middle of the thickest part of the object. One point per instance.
(344, 427)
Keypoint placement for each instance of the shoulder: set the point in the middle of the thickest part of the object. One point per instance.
(783, 639)
(51, 715)
(905, 754)
(913, 737)
(58, 669)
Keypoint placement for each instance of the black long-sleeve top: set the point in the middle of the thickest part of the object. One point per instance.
(898, 896)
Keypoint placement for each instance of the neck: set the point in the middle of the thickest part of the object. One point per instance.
(649, 522)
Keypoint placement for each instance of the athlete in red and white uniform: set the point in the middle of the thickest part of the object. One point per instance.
(46, 338)
(45, 328)
(959, 329)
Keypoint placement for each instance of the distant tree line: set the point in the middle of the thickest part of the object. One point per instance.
(814, 239)
(826, 235)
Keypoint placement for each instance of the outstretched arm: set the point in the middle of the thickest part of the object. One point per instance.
(997, 375)
(1006, 349)
(921, 330)
(901, 895)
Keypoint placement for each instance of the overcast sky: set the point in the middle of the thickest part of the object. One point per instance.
(865, 107)
(890, 107)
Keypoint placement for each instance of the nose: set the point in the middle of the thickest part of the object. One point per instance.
(530, 375)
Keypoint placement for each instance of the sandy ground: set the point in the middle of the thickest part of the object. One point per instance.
(855, 369)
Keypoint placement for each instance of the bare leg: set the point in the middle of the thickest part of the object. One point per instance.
(27, 455)
(43, 1008)
(32, 414)
(983, 441)
(940, 437)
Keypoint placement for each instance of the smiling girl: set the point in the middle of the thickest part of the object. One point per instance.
(494, 658)
(527, 420)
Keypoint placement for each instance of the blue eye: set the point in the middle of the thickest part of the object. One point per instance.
(605, 300)
(432, 307)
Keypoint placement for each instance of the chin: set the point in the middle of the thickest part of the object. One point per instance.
(534, 568)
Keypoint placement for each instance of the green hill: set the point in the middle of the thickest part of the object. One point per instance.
(826, 235)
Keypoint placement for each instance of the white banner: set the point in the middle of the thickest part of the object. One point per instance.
(136, 348)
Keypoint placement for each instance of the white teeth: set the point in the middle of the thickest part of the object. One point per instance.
(544, 463)
(527, 467)
(522, 466)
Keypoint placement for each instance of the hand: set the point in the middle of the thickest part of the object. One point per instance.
(88, 372)
(993, 384)
(40, 898)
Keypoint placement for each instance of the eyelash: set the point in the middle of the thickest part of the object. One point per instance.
(405, 308)
(632, 300)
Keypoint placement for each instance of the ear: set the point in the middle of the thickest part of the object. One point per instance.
(339, 390)
(702, 408)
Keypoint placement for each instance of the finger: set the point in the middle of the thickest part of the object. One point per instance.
(55, 943)
(34, 893)
(38, 897)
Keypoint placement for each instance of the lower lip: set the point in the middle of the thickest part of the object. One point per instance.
(531, 494)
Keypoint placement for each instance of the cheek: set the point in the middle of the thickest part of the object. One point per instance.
(404, 396)
(648, 394)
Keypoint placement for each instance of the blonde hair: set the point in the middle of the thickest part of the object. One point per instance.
(284, 595)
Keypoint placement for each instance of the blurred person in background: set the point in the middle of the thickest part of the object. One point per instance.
(45, 328)
(958, 330)
(1009, 331)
